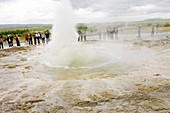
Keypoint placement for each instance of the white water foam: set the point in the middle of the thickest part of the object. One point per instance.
(66, 53)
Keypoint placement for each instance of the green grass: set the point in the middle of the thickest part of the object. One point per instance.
(25, 30)
(165, 28)
(31, 29)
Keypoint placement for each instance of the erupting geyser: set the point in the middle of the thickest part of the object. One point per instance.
(65, 53)
(64, 49)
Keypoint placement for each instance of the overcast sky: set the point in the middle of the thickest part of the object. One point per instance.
(86, 11)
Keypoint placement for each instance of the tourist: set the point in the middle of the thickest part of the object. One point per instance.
(100, 35)
(80, 34)
(139, 31)
(43, 37)
(35, 40)
(108, 33)
(112, 32)
(10, 40)
(152, 31)
(157, 28)
(26, 38)
(104, 34)
(83, 35)
(37, 35)
(12, 37)
(47, 34)
(116, 33)
(30, 39)
(17, 40)
(1, 42)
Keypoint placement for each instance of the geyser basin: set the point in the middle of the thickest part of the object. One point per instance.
(107, 60)
(65, 58)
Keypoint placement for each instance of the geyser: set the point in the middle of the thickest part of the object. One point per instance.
(64, 50)
(66, 56)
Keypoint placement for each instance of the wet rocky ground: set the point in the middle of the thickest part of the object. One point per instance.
(143, 89)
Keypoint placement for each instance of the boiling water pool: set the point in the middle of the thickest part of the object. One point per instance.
(99, 60)
(65, 58)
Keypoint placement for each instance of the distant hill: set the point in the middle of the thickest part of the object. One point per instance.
(23, 25)
(154, 19)
(147, 22)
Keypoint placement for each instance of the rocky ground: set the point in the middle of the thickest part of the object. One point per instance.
(140, 90)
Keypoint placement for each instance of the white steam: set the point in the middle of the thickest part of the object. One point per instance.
(66, 51)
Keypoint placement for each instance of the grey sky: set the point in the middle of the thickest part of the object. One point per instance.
(42, 11)
(126, 10)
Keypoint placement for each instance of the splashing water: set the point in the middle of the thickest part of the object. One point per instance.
(65, 53)
(64, 49)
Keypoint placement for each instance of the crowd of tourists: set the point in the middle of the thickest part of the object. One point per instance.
(82, 35)
(30, 39)
(110, 33)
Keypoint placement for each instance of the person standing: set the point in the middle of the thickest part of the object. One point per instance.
(157, 28)
(81, 36)
(152, 32)
(79, 33)
(112, 32)
(12, 37)
(116, 32)
(37, 35)
(84, 35)
(47, 34)
(43, 37)
(35, 40)
(1, 42)
(17, 40)
(10, 40)
(30, 39)
(26, 38)
(108, 33)
(100, 35)
(104, 34)
(139, 31)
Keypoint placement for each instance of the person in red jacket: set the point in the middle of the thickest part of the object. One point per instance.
(26, 38)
